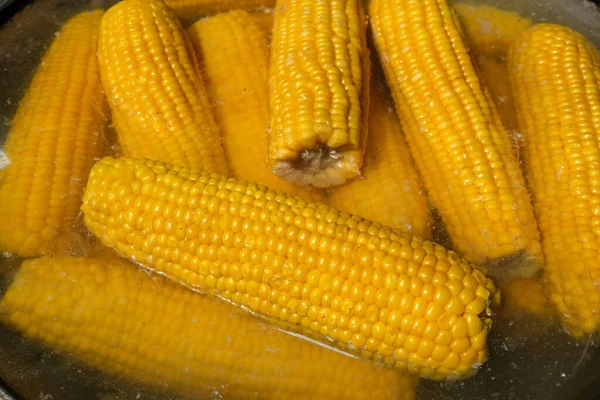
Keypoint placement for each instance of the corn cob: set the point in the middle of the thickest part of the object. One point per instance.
(318, 91)
(192, 9)
(234, 52)
(156, 95)
(555, 76)
(373, 291)
(390, 191)
(490, 30)
(453, 129)
(117, 318)
(54, 139)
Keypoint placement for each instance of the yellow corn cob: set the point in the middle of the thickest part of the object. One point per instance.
(459, 144)
(494, 75)
(155, 91)
(54, 139)
(318, 91)
(191, 9)
(490, 30)
(117, 318)
(376, 292)
(390, 191)
(525, 294)
(234, 52)
(555, 76)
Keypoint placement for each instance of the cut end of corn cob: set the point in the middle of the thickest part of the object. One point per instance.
(55, 137)
(154, 87)
(319, 86)
(555, 77)
(370, 290)
(460, 146)
(234, 52)
(115, 317)
(320, 167)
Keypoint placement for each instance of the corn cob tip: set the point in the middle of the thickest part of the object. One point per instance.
(320, 167)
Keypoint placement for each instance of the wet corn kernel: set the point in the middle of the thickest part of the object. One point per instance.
(555, 76)
(464, 154)
(363, 317)
(55, 137)
(152, 80)
(117, 316)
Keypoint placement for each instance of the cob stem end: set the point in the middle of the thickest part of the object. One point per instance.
(320, 167)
